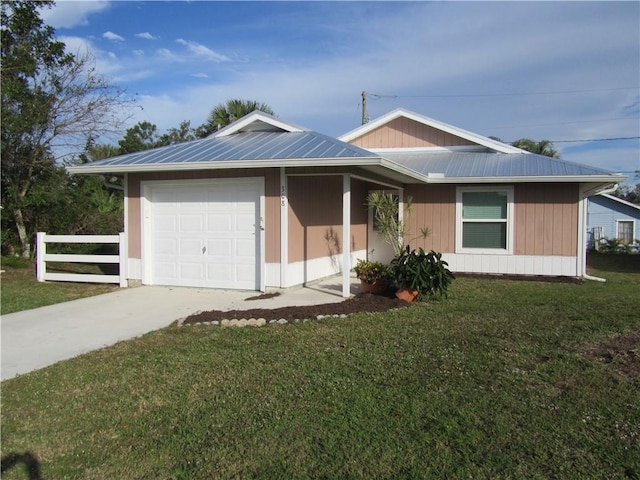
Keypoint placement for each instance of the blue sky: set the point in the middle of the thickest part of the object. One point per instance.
(542, 70)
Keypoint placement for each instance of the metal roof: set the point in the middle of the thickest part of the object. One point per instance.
(491, 165)
(237, 147)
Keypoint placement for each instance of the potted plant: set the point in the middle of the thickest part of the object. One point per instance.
(373, 276)
(420, 274)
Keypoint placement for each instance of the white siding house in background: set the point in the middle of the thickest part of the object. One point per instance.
(611, 217)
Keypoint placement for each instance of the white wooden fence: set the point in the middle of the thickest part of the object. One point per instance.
(42, 257)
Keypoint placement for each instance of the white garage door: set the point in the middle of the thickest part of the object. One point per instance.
(204, 234)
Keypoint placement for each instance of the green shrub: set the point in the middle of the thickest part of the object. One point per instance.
(425, 272)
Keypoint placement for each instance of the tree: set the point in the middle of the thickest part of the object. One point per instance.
(184, 133)
(142, 136)
(629, 193)
(543, 147)
(226, 113)
(52, 102)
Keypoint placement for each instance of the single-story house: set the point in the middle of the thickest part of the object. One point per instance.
(612, 218)
(265, 203)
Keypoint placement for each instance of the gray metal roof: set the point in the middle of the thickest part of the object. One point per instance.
(491, 165)
(241, 146)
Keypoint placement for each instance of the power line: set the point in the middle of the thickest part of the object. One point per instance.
(377, 96)
(595, 140)
(590, 140)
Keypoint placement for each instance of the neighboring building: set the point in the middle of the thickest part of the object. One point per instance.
(609, 217)
(264, 203)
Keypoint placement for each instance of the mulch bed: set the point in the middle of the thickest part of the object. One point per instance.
(364, 302)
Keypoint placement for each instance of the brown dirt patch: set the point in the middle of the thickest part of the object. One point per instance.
(364, 302)
(622, 352)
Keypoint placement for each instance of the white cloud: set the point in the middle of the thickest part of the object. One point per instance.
(146, 36)
(66, 14)
(200, 75)
(113, 37)
(167, 54)
(202, 51)
(139, 53)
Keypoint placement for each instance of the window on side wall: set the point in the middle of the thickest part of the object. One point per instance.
(484, 220)
(625, 231)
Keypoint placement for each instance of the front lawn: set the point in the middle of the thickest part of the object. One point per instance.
(505, 379)
(21, 290)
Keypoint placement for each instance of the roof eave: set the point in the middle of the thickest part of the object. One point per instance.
(224, 165)
(435, 178)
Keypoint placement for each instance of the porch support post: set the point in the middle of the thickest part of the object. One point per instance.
(346, 235)
(284, 229)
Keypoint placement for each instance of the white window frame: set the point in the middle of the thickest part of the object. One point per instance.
(633, 228)
(510, 220)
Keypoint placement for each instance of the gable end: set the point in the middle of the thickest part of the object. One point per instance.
(404, 132)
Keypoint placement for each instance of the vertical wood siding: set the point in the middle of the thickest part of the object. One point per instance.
(406, 133)
(272, 204)
(546, 217)
(315, 216)
(434, 206)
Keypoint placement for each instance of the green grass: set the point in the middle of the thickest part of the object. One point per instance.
(495, 382)
(20, 290)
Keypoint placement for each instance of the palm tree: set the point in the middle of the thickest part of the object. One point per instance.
(543, 147)
(225, 113)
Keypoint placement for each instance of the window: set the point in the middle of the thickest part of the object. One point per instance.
(625, 231)
(484, 223)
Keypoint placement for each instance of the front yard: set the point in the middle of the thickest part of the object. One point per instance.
(505, 379)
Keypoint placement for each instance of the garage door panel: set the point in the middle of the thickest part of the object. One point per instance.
(222, 272)
(191, 271)
(190, 248)
(190, 223)
(245, 273)
(165, 269)
(219, 223)
(165, 246)
(219, 248)
(191, 198)
(245, 223)
(165, 197)
(245, 248)
(206, 234)
(164, 223)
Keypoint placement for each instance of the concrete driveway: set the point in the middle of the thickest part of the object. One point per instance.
(36, 338)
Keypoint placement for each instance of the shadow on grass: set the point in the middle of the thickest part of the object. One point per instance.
(28, 459)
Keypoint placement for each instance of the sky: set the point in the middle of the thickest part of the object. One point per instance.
(561, 71)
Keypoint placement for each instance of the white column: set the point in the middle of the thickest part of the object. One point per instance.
(123, 254)
(346, 235)
(41, 266)
(284, 229)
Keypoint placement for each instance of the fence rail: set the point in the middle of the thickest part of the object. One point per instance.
(42, 257)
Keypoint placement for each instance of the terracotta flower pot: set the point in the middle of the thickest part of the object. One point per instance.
(406, 294)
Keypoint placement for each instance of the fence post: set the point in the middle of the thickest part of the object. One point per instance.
(122, 253)
(41, 267)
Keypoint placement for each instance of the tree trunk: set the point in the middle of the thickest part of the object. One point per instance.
(25, 243)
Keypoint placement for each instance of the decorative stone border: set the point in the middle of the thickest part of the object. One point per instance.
(253, 322)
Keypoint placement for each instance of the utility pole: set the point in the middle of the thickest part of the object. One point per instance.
(364, 108)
